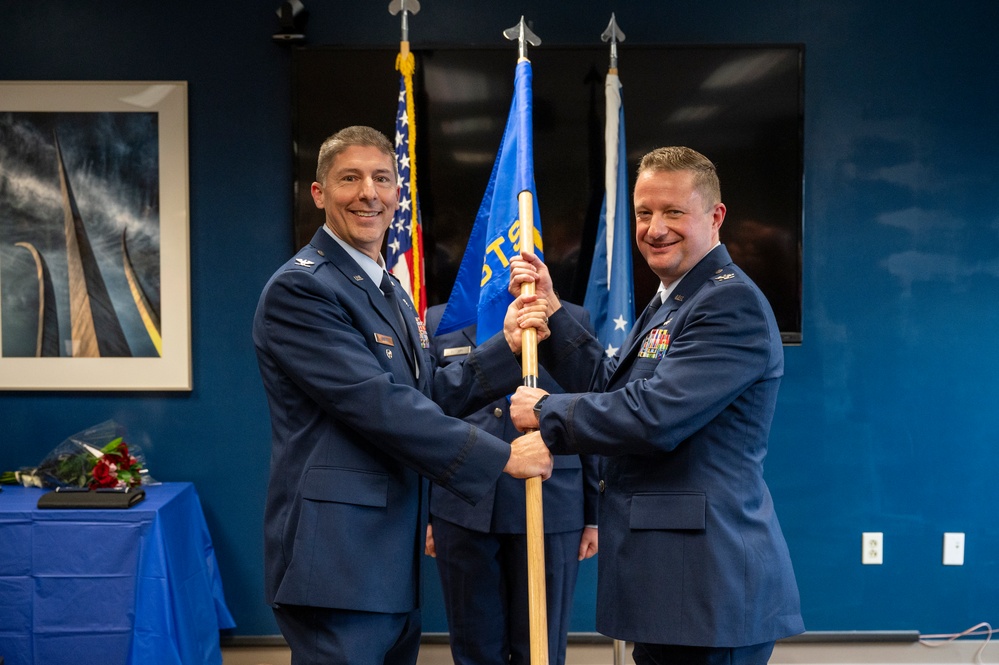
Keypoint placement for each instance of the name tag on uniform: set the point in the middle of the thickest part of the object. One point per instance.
(457, 351)
(384, 339)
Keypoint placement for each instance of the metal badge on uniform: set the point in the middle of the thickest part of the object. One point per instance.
(384, 339)
(722, 278)
(655, 344)
(457, 351)
(305, 263)
(424, 337)
(358, 278)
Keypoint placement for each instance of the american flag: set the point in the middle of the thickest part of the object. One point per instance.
(405, 236)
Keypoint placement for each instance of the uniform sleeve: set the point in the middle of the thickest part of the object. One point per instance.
(572, 355)
(723, 347)
(489, 372)
(315, 339)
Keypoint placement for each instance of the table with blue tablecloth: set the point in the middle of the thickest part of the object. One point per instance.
(139, 585)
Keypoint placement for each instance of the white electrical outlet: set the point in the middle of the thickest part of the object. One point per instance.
(872, 552)
(953, 549)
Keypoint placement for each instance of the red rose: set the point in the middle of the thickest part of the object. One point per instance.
(103, 475)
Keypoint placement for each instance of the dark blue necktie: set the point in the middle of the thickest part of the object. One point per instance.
(388, 289)
(649, 312)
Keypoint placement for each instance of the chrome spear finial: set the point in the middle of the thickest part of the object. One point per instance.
(406, 7)
(523, 35)
(614, 35)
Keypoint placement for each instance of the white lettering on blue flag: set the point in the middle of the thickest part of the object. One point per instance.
(480, 292)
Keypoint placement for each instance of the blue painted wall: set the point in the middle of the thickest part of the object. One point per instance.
(887, 419)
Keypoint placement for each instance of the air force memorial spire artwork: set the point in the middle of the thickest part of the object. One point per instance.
(90, 324)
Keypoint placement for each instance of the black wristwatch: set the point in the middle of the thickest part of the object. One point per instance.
(537, 407)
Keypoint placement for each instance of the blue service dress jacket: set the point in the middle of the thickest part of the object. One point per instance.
(569, 496)
(691, 551)
(353, 430)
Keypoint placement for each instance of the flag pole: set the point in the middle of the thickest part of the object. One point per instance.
(613, 34)
(404, 250)
(536, 593)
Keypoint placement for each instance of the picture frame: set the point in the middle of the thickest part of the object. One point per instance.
(94, 236)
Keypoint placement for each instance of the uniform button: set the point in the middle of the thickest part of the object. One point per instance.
(602, 486)
(498, 412)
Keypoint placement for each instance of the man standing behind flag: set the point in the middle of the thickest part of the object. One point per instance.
(482, 551)
(693, 567)
(349, 379)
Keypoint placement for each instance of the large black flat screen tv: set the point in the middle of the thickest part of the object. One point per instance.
(741, 105)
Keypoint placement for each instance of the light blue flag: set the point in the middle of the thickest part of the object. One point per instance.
(610, 293)
(480, 289)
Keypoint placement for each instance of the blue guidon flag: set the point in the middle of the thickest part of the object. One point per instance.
(480, 292)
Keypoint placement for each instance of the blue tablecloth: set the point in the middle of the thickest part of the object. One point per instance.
(136, 586)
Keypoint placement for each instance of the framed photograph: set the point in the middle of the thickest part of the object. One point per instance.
(94, 238)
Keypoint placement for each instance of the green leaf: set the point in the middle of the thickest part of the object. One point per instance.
(112, 445)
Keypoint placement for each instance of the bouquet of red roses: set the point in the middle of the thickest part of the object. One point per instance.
(96, 457)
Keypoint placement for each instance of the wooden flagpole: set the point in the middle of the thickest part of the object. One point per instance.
(537, 597)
